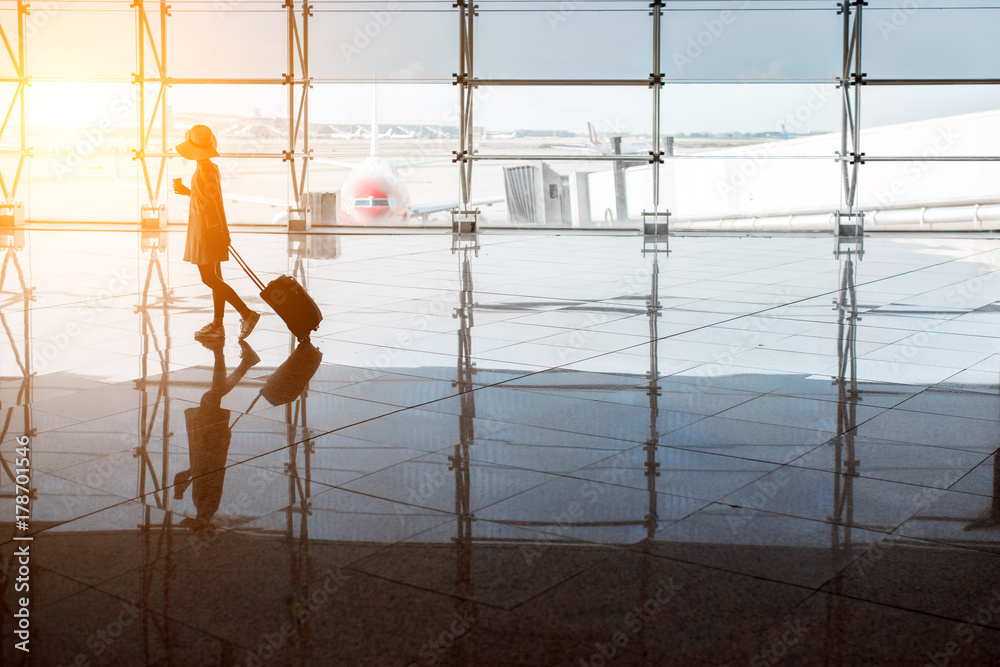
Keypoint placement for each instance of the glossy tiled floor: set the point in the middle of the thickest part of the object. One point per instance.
(558, 450)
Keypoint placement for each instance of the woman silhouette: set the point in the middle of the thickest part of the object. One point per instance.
(209, 434)
(207, 242)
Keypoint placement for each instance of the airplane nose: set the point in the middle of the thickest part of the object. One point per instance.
(369, 213)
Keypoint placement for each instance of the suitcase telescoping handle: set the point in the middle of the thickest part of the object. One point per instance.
(253, 276)
(247, 410)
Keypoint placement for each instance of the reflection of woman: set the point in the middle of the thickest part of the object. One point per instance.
(209, 435)
(207, 242)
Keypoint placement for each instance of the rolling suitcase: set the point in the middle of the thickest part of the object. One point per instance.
(289, 300)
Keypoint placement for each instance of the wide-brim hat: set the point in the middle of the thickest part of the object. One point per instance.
(199, 144)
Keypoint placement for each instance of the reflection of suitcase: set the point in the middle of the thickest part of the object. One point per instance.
(289, 300)
(292, 377)
(288, 382)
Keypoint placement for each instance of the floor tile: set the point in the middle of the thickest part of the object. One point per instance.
(517, 457)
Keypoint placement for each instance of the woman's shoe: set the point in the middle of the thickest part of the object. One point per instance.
(248, 323)
(210, 331)
(247, 354)
(211, 343)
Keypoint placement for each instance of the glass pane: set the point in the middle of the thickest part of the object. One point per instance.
(712, 116)
(211, 40)
(11, 137)
(246, 119)
(931, 40)
(415, 121)
(544, 40)
(557, 117)
(69, 186)
(383, 40)
(8, 19)
(707, 189)
(967, 109)
(765, 40)
(79, 44)
(889, 185)
(255, 191)
(81, 119)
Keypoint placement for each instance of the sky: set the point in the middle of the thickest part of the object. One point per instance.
(570, 39)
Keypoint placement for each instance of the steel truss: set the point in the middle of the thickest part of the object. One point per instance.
(146, 40)
(850, 82)
(464, 79)
(19, 102)
(298, 108)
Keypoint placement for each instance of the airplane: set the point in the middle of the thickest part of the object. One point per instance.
(253, 131)
(397, 133)
(491, 134)
(604, 146)
(329, 132)
(627, 147)
(373, 193)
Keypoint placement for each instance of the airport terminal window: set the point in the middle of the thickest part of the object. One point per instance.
(562, 98)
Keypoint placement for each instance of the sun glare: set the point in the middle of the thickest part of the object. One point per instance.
(80, 105)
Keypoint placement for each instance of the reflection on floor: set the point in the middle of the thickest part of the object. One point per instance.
(516, 450)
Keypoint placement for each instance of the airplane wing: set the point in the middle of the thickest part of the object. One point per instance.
(256, 200)
(395, 163)
(335, 163)
(428, 209)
